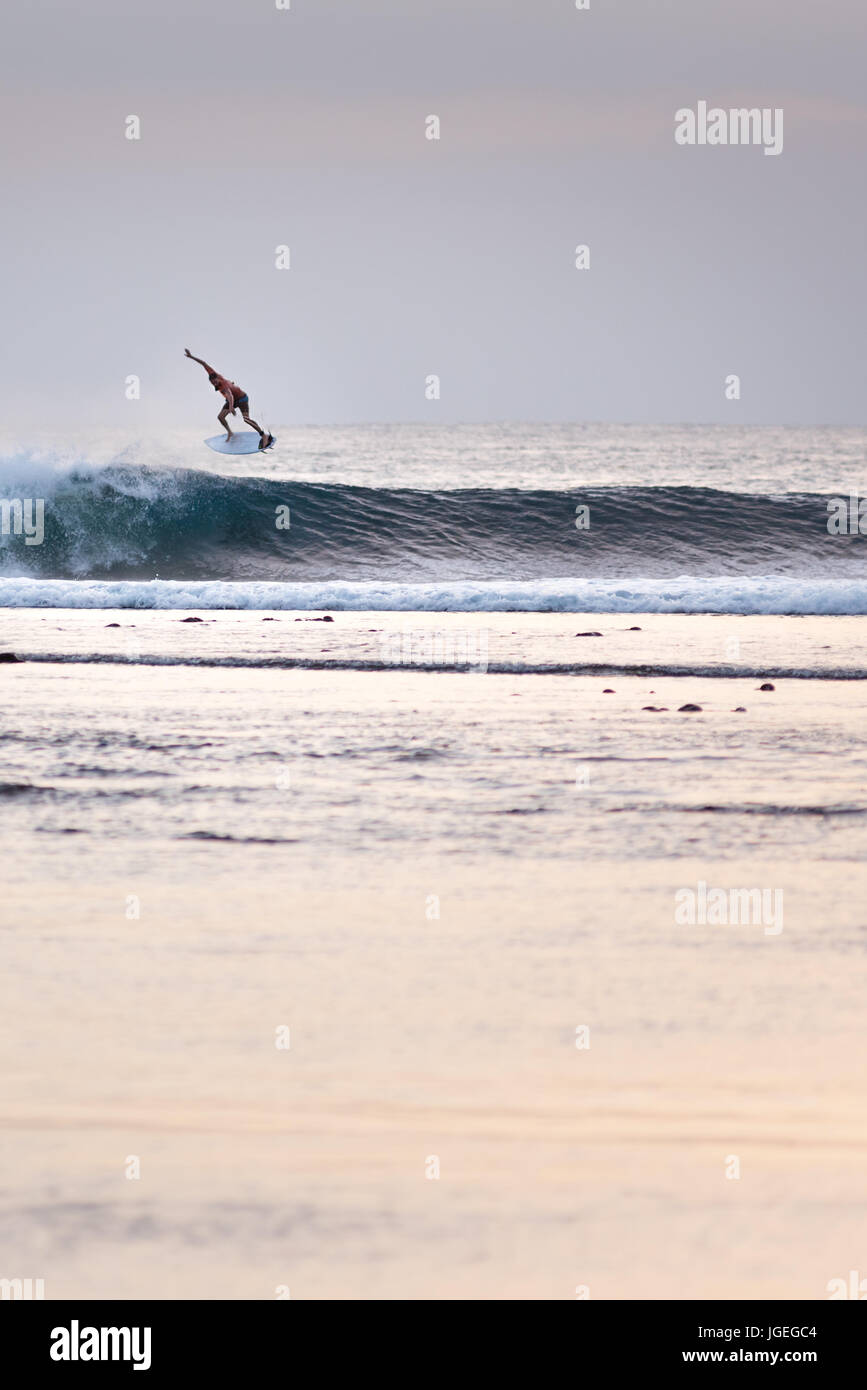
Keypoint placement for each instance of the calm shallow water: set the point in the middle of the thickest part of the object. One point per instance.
(304, 744)
(432, 879)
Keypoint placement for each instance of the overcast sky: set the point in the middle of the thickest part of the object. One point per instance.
(409, 257)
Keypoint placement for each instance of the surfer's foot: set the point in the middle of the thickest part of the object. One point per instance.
(229, 436)
(265, 440)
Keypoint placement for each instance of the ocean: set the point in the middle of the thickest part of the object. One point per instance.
(465, 904)
(475, 518)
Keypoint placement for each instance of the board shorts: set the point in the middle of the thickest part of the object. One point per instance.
(242, 402)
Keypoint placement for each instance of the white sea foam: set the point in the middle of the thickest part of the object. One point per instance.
(689, 594)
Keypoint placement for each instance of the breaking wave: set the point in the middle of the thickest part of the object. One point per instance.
(129, 535)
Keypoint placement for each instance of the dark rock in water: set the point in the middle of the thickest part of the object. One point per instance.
(588, 634)
(767, 686)
(633, 629)
(112, 624)
(656, 709)
(192, 620)
(741, 709)
(690, 709)
(9, 656)
(609, 691)
(270, 620)
(326, 619)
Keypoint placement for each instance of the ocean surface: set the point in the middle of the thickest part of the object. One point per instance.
(429, 841)
(471, 518)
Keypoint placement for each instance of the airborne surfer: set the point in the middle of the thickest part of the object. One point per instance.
(236, 398)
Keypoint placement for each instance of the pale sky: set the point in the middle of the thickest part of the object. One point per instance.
(412, 257)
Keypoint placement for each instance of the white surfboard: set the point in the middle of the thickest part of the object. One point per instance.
(243, 442)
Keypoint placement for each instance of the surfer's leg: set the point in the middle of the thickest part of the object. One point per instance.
(224, 422)
(264, 439)
(248, 420)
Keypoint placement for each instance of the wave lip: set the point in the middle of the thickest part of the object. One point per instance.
(768, 594)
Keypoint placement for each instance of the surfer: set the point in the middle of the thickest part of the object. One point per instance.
(236, 399)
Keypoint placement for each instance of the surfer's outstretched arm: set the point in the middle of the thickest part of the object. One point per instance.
(208, 369)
